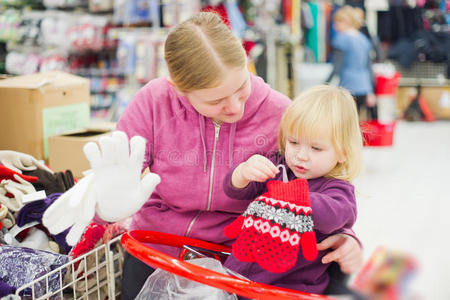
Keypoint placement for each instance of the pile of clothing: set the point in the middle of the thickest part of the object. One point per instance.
(27, 249)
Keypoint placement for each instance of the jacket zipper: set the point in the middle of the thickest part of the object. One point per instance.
(216, 138)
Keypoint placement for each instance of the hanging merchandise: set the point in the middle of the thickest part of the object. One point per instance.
(55, 28)
(89, 33)
(30, 28)
(98, 6)
(22, 63)
(9, 25)
(65, 3)
(126, 54)
(168, 13)
(237, 21)
(219, 8)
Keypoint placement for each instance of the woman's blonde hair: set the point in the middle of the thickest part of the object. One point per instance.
(199, 51)
(323, 110)
(353, 16)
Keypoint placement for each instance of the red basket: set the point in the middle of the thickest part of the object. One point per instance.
(387, 85)
(377, 134)
(133, 242)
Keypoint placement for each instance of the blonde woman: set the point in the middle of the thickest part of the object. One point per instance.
(207, 116)
(351, 58)
(320, 141)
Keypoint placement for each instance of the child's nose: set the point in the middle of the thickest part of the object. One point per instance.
(302, 154)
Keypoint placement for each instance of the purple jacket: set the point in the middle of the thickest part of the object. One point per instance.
(334, 211)
(183, 149)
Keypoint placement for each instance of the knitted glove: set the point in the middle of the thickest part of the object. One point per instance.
(75, 208)
(7, 173)
(18, 189)
(18, 161)
(282, 220)
(117, 166)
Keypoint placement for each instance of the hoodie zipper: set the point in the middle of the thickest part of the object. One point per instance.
(216, 138)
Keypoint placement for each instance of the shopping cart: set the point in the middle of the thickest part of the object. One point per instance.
(133, 242)
(93, 275)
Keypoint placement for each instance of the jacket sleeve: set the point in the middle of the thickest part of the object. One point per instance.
(137, 119)
(253, 189)
(250, 192)
(334, 207)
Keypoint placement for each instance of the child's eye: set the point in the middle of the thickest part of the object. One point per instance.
(316, 148)
(292, 142)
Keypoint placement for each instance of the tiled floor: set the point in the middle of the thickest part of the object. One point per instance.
(404, 202)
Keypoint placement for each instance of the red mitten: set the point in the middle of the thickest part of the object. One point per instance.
(286, 224)
(6, 173)
(244, 246)
(233, 229)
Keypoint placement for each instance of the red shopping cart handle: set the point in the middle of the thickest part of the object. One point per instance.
(133, 243)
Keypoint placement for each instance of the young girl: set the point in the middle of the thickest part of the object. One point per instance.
(351, 58)
(319, 140)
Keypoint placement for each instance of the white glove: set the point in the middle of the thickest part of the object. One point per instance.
(117, 169)
(76, 208)
(18, 189)
(18, 161)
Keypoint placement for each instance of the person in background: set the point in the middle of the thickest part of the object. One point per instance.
(351, 59)
(207, 116)
(319, 142)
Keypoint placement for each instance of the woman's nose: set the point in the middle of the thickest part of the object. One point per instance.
(233, 104)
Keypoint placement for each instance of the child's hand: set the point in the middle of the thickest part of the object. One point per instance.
(256, 168)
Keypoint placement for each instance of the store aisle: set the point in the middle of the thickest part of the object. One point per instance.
(404, 202)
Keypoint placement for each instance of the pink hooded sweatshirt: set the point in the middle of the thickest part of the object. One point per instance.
(192, 156)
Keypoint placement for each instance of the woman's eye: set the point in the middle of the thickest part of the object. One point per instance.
(215, 102)
(292, 142)
(316, 148)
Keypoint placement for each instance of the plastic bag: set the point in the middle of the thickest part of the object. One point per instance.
(19, 266)
(162, 285)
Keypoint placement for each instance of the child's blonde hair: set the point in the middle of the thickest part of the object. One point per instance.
(325, 109)
(353, 16)
(199, 51)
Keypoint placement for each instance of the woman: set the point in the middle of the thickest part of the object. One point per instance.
(210, 115)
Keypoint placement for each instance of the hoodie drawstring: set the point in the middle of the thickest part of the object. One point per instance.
(231, 144)
(201, 121)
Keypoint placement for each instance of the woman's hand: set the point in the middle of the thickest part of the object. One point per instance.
(346, 252)
(256, 168)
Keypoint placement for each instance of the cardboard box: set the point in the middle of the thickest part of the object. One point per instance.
(34, 107)
(66, 150)
(437, 98)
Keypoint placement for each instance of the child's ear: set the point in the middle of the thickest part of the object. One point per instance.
(175, 87)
